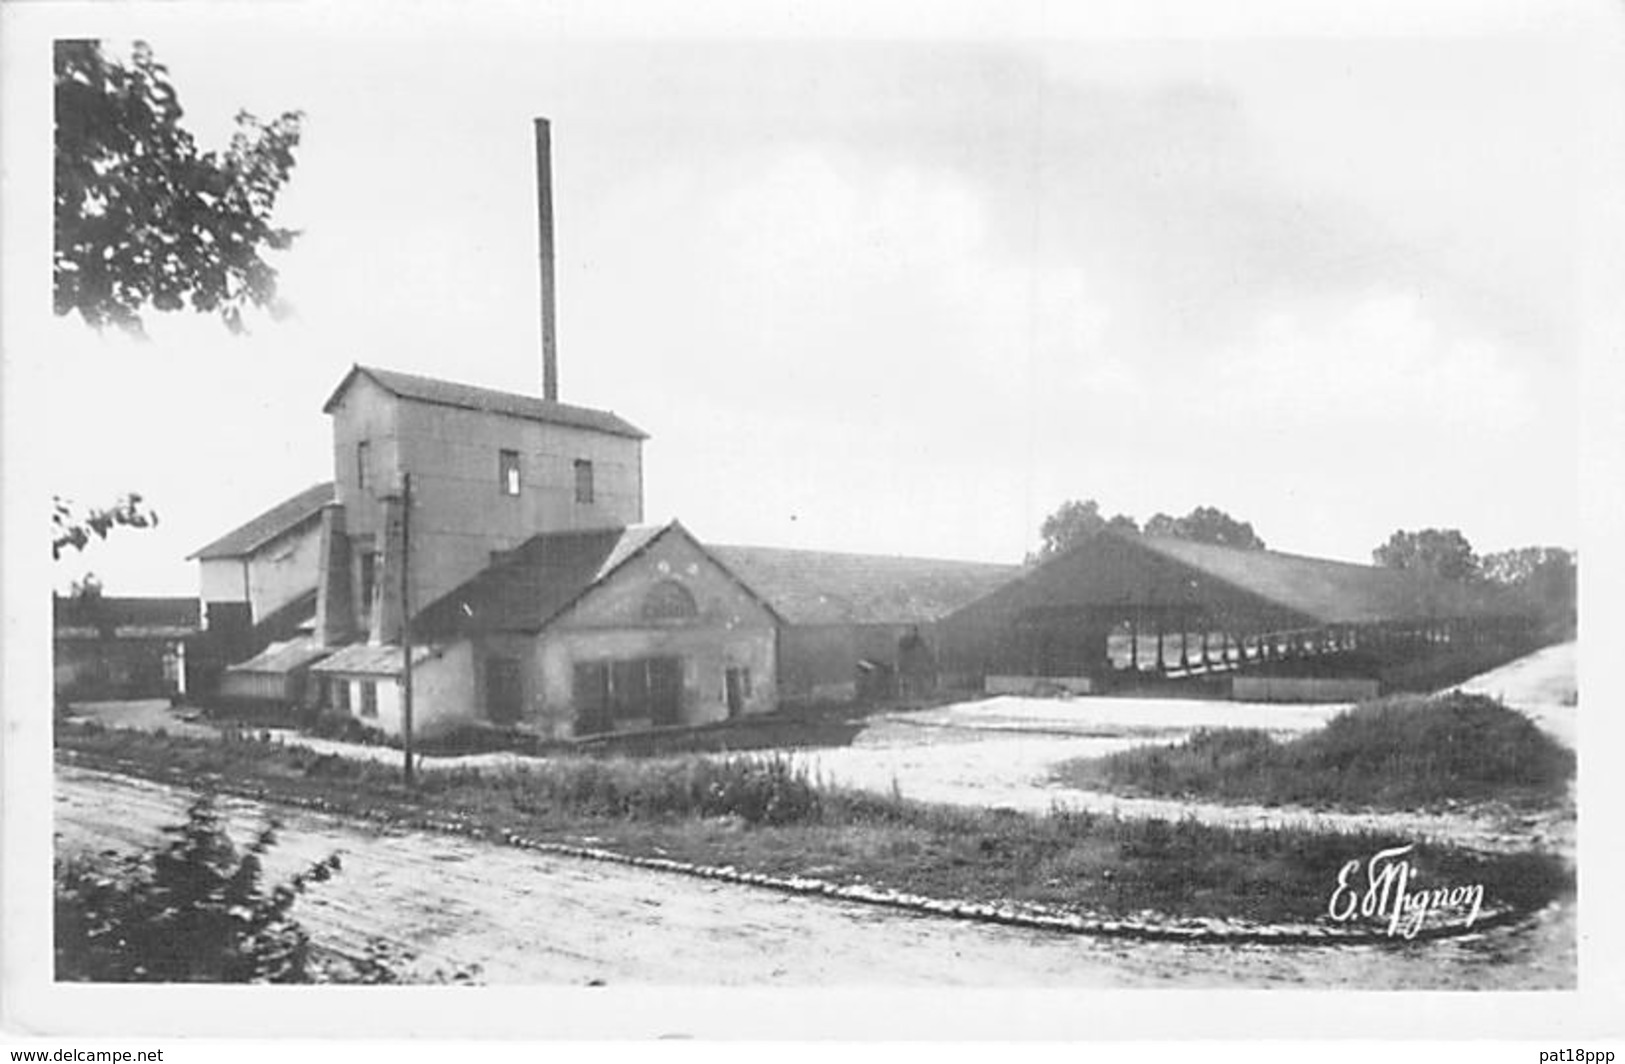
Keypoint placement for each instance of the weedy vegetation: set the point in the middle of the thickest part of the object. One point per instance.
(1405, 752)
(768, 813)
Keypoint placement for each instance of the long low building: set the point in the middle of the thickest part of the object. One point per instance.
(1122, 608)
(109, 647)
(859, 626)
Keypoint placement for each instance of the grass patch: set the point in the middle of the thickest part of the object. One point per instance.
(1404, 752)
(790, 729)
(766, 814)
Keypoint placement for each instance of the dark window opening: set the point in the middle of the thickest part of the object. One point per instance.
(508, 472)
(341, 695)
(736, 688)
(369, 699)
(362, 462)
(584, 487)
(369, 580)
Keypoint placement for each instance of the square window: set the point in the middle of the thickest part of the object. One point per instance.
(583, 481)
(508, 472)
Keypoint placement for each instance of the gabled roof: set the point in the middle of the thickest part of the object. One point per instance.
(486, 400)
(821, 587)
(535, 582)
(1333, 592)
(284, 517)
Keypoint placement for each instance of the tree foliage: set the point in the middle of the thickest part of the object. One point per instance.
(1443, 552)
(1547, 577)
(1206, 524)
(1075, 521)
(193, 911)
(143, 218)
(72, 528)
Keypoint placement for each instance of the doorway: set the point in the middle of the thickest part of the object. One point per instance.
(504, 694)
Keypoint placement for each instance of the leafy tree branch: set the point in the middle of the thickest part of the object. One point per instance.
(143, 218)
(72, 527)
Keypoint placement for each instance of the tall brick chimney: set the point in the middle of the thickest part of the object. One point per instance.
(544, 235)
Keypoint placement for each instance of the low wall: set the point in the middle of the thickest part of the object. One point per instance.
(1300, 689)
(1027, 685)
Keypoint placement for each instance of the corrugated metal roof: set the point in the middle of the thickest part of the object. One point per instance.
(535, 582)
(369, 659)
(821, 587)
(283, 517)
(488, 400)
(283, 657)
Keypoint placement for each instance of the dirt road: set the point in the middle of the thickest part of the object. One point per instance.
(442, 904)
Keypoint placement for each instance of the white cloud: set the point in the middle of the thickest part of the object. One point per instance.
(1381, 359)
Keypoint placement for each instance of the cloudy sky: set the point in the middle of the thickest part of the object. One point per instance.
(873, 282)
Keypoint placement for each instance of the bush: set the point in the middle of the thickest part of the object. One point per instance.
(758, 790)
(345, 728)
(192, 911)
(481, 738)
(1396, 752)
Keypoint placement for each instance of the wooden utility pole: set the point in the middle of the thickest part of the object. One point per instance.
(406, 626)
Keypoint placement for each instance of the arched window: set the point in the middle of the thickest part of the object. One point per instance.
(669, 601)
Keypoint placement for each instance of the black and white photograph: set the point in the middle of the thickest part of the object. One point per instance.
(810, 520)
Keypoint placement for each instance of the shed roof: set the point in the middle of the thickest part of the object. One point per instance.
(1123, 569)
(823, 587)
(535, 581)
(487, 400)
(372, 659)
(283, 657)
(284, 517)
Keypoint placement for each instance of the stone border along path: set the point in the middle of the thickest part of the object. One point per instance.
(1199, 931)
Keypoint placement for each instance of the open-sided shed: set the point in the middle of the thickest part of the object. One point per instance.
(1121, 606)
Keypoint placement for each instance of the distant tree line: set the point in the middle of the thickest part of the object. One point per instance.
(1079, 520)
(1546, 577)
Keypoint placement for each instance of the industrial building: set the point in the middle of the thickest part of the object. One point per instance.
(1122, 608)
(501, 538)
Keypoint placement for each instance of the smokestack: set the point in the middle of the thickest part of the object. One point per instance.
(544, 235)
